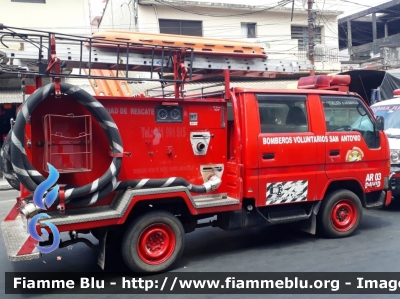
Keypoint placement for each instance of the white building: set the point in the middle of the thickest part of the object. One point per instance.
(269, 25)
(68, 17)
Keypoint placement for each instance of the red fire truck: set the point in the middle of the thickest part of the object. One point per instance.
(144, 170)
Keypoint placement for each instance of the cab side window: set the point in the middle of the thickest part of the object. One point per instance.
(349, 114)
(282, 113)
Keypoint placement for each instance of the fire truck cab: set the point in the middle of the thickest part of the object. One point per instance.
(309, 154)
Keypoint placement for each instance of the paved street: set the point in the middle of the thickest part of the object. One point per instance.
(375, 247)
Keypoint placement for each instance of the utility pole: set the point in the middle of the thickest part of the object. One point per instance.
(311, 36)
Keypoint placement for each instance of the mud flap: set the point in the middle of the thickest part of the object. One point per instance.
(102, 249)
(309, 225)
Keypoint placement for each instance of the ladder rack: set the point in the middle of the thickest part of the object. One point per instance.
(54, 55)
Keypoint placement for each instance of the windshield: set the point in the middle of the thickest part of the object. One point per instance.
(363, 123)
(391, 114)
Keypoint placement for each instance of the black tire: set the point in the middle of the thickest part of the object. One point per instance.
(168, 227)
(340, 214)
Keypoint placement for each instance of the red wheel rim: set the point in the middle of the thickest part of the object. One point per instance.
(344, 215)
(156, 244)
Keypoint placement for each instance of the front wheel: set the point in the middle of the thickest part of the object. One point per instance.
(340, 215)
(153, 242)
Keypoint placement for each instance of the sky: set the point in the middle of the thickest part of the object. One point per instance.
(347, 6)
(358, 5)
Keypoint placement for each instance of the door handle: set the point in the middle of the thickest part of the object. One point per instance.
(334, 153)
(268, 156)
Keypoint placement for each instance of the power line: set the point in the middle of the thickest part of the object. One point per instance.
(234, 28)
(224, 31)
(222, 16)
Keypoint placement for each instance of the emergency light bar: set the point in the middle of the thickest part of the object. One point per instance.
(323, 81)
(396, 93)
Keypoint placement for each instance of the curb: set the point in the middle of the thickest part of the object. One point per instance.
(5, 186)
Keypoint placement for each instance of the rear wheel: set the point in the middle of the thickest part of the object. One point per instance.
(153, 242)
(340, 215)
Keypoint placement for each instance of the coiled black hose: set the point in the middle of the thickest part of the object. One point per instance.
(30, 177)
(5, 164)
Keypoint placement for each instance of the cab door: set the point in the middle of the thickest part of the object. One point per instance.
(287, 150)
(353, 149)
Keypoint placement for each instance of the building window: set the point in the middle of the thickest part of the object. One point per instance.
(181, 27)
(30, 1)
(301, 34)
(249, 30)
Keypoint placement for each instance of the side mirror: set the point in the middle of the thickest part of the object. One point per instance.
(380, 123)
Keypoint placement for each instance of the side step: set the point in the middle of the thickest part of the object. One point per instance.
(375, 205)
(214, 201)
(121, 203)
(287, 216)
(72, 216)
(19, 244)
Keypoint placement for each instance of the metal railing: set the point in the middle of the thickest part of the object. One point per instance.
(320, 55)
(84, 54)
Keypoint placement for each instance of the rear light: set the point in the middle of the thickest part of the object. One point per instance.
(323, 81)
(396, 93)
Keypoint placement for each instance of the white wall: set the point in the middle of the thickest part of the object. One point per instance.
(273, 27)
(64, 16)
(119, 14)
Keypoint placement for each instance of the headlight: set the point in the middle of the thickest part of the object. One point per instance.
(394, 156)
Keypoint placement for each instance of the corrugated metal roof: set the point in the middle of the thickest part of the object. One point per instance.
(10, 96)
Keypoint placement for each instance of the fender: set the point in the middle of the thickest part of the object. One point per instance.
(330, 181)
